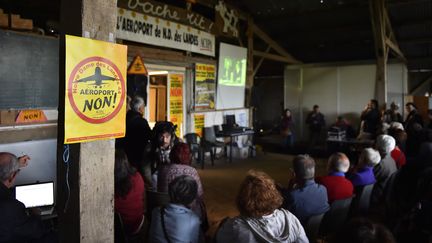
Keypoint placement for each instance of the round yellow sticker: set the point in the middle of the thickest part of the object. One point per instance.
(96, 90)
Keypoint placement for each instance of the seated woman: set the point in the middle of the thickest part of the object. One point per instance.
(363, 173)
(181, 159)
(176, 222)
(129, 194)
(260, 218)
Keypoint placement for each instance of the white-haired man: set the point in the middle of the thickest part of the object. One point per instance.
(338, 187)
(15, 224)
(385, 168)
(307, 198)
(138, 135)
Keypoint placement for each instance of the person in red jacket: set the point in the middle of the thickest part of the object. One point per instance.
(129, 194)
(338, 187)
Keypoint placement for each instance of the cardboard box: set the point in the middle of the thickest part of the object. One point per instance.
(7, 117)
(21, 24)
(4, 20)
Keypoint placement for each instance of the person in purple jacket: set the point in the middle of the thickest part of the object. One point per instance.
(363, 174)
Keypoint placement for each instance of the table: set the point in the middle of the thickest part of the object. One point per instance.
(232, 134)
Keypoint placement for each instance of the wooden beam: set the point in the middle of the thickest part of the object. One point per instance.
(395, 48)
(274, 57)
(261, 34)
(260, 62)
(421, 85)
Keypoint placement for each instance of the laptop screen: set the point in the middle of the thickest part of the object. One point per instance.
(35, 195)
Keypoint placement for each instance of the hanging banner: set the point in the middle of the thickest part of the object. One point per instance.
(205, 86)
(146, 29)
(168, 12)
(176, 101)
(95, 106)
(199, 123)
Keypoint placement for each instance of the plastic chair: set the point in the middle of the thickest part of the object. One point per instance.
(211, 141)
(336, 216)
(194, 146)
(313, 226)
(364, 199)
(199, 148)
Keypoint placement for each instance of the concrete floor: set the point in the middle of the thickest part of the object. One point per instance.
(221, 182)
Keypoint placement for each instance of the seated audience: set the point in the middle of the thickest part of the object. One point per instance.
(181, 159)
(362, 174)
(260, 218)
(15, 224)
(129, 194)
(176, 222)
(306, 197)
(385, 168)
(338, 187)
(362, 230)
(397, 132)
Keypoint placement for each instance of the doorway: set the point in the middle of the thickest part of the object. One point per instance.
(158, 98)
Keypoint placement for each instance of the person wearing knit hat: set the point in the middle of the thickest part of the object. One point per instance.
(363, 172)
(385, 168)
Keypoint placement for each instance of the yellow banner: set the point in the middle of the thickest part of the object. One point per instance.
(176, 101)
(95, 102)
(199, 123)
(205, 86)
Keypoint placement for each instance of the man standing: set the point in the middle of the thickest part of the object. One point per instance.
(315, 120)
(370, 118)
(15, 224)
(138, 135)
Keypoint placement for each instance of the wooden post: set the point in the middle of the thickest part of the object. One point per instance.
(86, 210)
(384, 42)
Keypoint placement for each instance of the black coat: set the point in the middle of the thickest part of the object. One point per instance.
(137, 137)
(15, 224)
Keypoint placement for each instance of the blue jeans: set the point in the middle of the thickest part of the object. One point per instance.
(288, 141)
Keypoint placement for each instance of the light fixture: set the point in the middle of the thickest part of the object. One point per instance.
(158, 72)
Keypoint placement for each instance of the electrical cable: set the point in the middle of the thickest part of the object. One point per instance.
(66, 154)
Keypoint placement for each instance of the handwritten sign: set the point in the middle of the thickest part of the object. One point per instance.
(31, 116)
(176, 101)
(146, 29)
(205, 86)
(168, 12)
(199, 123)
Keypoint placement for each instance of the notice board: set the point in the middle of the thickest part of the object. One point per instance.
(29, 71)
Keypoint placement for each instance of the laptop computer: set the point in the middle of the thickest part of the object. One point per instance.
(39, 195)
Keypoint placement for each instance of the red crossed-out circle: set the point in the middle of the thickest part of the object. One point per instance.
(71, 97)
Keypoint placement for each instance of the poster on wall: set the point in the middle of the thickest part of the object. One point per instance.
(205, 86)
(176, 101)
(151, 30)
(95, 106)
(199, 123)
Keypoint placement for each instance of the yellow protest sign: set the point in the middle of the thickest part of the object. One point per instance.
(205, 86)
(199, 123)
(95, 102)
(176, 101)
(137, 67)
(30, 116)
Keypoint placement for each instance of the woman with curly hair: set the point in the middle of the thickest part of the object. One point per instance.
(260, 219)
